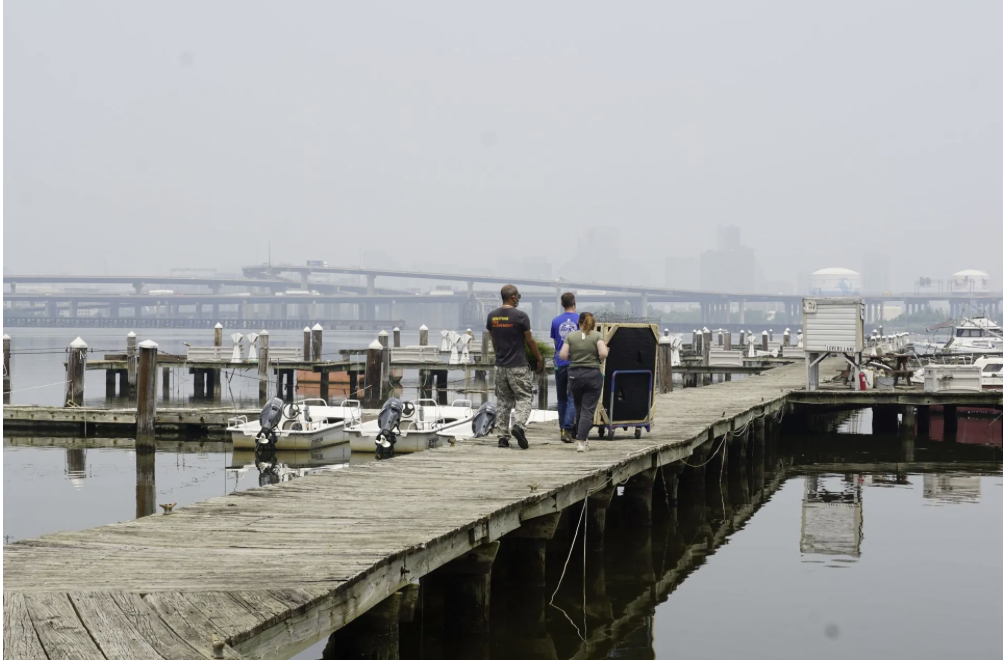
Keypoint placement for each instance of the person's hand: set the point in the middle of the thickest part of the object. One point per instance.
(540, 365)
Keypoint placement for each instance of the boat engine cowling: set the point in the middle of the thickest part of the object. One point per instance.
(389, 420)
(270, 418)
(483, 422)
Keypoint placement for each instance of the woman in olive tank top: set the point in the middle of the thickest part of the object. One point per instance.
(585, 350)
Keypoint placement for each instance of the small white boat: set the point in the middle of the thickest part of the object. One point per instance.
(420, 424)
(991, 372)
(978, 335)
(309, 424)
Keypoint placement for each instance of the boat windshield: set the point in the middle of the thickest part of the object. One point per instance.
(968, 332)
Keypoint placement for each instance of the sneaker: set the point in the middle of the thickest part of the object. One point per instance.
(520, 435)
(583, 445)
(566, 435)
(504, 443)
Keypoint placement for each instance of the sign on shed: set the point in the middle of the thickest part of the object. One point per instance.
(833, 325)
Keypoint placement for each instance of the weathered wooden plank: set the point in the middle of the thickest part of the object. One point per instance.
(110, 629)
(19, 638)
(154, 630)
(187, 621)
(62, 634)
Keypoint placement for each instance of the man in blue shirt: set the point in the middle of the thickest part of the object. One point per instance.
(560, 327)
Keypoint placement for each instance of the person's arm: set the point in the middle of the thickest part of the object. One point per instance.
(602, 350)
(564, 352)
(532, 343)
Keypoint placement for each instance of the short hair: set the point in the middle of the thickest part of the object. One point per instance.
(568, 299)
(508, 291)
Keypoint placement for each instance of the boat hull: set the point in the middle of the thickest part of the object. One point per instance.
(296, 440)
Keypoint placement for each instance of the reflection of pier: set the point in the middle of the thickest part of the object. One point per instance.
(952, 488)
(832, 519)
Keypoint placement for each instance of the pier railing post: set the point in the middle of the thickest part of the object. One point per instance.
(665, 364)
(146, 403)
(215, 374)
(263, 367)
(6, 369)
(76, 365)
(317, 343)
(131, 363)
(374, 365)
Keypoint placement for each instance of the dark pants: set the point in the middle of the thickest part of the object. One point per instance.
(586, 386)
(566, 408)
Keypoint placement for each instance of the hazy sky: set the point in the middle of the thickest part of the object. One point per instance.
(152, 136)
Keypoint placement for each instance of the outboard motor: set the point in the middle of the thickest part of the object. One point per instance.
(483, 422)
(270, 418)
(389, 419)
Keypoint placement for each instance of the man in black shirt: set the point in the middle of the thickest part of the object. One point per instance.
(510, 332)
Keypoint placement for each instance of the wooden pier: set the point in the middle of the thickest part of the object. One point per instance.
(268, 572)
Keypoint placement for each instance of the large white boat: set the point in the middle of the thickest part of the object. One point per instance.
(309, 424)
(978, 335)
(420, 423)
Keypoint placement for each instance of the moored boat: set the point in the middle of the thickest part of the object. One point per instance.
(420, 423)
(308, 424)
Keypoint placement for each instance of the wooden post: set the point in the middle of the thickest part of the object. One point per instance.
(909, 422)
(354, 385)
(665, 364)
(76, 364)
(375, 634)
(923, 421)
(764, 341)
(770, 334)
(215, 373)
(423, 336)
(146, 483)
(325, 378)
(306, 344)
(742, 341)
(638, 498)
(695, 342)
(542, 389)
(109, 383)
(166, 387)
(374, 365)
(6, 369)
(383, 338)
(486, 347)
(468, 589)
(728, 340)
(951, 415)
(263, 367)
(317, 342)
(290, 385)
(146, 404)
(397, 337)
(706, 354)
(786, 337)
(131, 362)
(721, 337)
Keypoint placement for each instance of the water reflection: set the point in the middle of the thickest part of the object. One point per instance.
(146, 483)
(612, 587)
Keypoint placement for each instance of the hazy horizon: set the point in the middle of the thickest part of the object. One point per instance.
(142, 138)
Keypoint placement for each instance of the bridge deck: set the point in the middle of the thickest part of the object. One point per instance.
(277, 567)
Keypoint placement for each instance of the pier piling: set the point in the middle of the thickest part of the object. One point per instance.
(397, 337)
(76, 364)
(146, 404)
(923, 421)
(6, 369)
(216, 392)
(317, 343)
(951, 415)
(374, 365)
(263, 367)
(306, 344)
(665, 364)
(423, 335)
(131, 363)
(467, 590)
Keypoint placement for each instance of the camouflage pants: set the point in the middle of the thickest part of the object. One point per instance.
(514, 391)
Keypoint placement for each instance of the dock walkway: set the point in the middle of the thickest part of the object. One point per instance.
(276, 568)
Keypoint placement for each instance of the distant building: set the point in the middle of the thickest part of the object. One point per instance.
(970, 281)
(875, 274)
(731, 267)
(835, 282)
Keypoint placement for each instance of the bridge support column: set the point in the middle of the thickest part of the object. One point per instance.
(113, 310)
(742, 312)
(370, 285)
